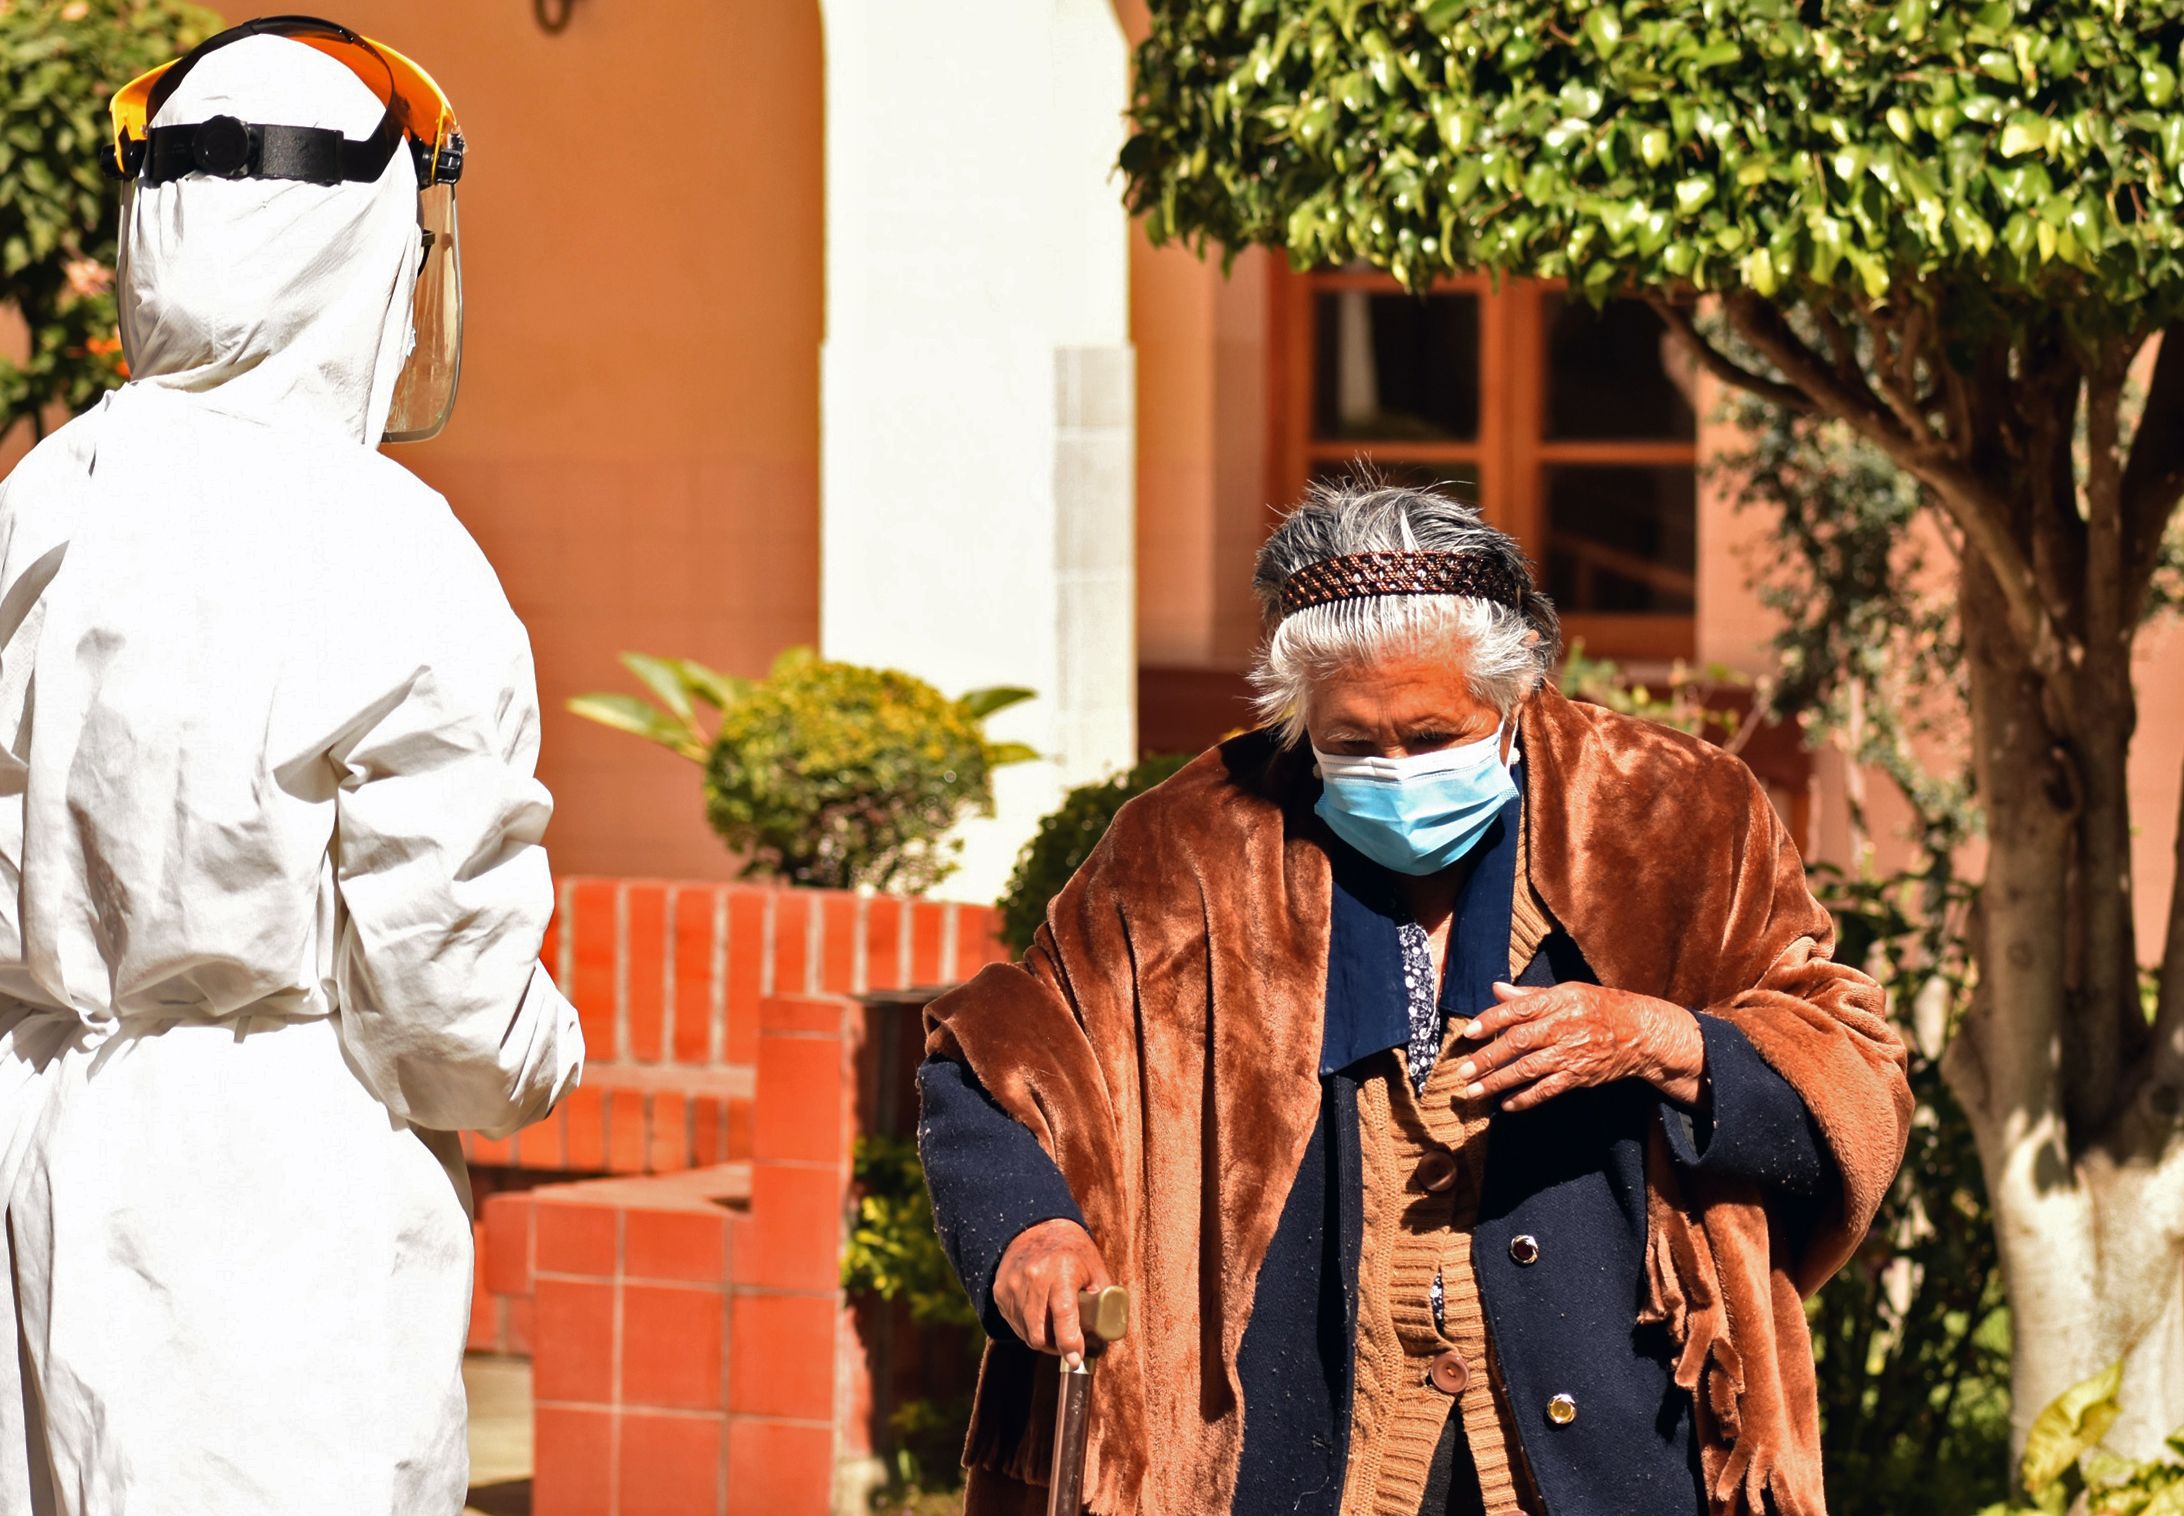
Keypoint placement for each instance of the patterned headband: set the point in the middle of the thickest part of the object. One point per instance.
(1359, 575)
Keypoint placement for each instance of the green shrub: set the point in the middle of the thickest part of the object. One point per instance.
(2065, 1467)
(1911, 1338)
(893, 1251)
(59, 63)
(1063, 842)
(823, 773)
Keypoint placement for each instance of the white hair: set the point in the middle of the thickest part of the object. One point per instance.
(1505, 651)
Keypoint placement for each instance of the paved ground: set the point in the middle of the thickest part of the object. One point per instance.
(500, 1436)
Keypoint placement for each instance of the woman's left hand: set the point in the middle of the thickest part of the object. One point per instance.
(1540, 1041)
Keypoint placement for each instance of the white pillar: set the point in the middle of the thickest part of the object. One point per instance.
(977, 461)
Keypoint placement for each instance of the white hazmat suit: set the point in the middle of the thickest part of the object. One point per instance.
(271, 882)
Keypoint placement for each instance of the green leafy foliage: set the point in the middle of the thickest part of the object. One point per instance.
(1911, 1338)
(60, 60)
(893, 1251)
(1686, 700)
(1065, 839)
(1868, 650)
(2031, 148)
(2065, 1467)
(894, 1255)
(823, 773)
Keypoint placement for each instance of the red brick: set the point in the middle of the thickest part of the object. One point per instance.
(791, 1015)
(574, 1327)
(781, 1361)
(626, 1131)
(668, 1134)
(684, 1245)
(671, 1466)
(544, 1144)
(671, 1346)
(800, 1100)
(792, 973)
(795, 1239)
(776, 1468)
(838, 943)
(736, 1142)
(592, 931)
(746, 985)
(507, 1229)
(645, 972)
(484, 1334)
(549, 949)
(928, 941)
(484, 1152)
(694, 908)
(883, 944)
(573, 1462)
(584, 1118)
(517, 1320)
(977, 939)
(576, 1238)
(708, 1130)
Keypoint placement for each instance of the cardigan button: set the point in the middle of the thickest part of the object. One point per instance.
(1435, 1172)
(1449, 1373)
(1562, 1410)
(1524, 1247)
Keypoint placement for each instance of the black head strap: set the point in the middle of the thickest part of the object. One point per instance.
(230, 149)
(227, 148)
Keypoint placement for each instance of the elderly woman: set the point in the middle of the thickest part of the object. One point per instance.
(1457, 1077)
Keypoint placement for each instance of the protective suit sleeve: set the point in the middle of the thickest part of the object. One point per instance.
(439, 861)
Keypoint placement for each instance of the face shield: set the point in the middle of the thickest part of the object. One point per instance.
(418, 119)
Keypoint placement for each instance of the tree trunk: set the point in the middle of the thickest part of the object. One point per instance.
(2088, 1231)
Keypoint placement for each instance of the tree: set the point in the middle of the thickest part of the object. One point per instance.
(60, 60)
(1953, 229)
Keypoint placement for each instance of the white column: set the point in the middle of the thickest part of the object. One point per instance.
(977, 461)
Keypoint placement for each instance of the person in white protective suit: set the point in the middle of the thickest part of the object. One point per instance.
(271, 882)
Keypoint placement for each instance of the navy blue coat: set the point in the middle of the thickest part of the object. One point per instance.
(1568, 1174)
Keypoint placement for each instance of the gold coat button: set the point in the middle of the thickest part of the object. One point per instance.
(1448, 1373)
(1524, 1247)
(1562, 1410)
(1435, 1172)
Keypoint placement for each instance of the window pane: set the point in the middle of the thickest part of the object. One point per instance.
(1612, 375)
(1622, 540)
(1458, 479)
(1395, 366)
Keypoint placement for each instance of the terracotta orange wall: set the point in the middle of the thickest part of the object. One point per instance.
(1202, 367)
(637, 443)
(1203, 362)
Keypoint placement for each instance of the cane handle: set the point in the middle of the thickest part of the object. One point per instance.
(1104, 1314)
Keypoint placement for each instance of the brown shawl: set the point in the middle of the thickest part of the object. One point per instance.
(1162, 1041)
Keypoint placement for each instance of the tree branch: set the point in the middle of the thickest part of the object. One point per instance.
(2153, 479)
(1897, 371)
(1725, 368)
(1982, 515)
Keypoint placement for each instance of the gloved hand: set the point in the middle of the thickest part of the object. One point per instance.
(1538, 1042)
(1037, 1282)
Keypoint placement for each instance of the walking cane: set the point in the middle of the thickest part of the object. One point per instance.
(1105, 1316)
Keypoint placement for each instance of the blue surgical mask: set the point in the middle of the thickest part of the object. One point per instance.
(1420, 814)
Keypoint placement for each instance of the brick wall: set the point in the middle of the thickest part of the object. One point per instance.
(667, 1246)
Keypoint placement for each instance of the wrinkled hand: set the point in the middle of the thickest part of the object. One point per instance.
(1037, 1283)
(1539, 1042)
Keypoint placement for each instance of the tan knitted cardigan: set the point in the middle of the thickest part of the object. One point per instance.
(1396, 1414)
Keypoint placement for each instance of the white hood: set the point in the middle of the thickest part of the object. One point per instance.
(284, 302)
